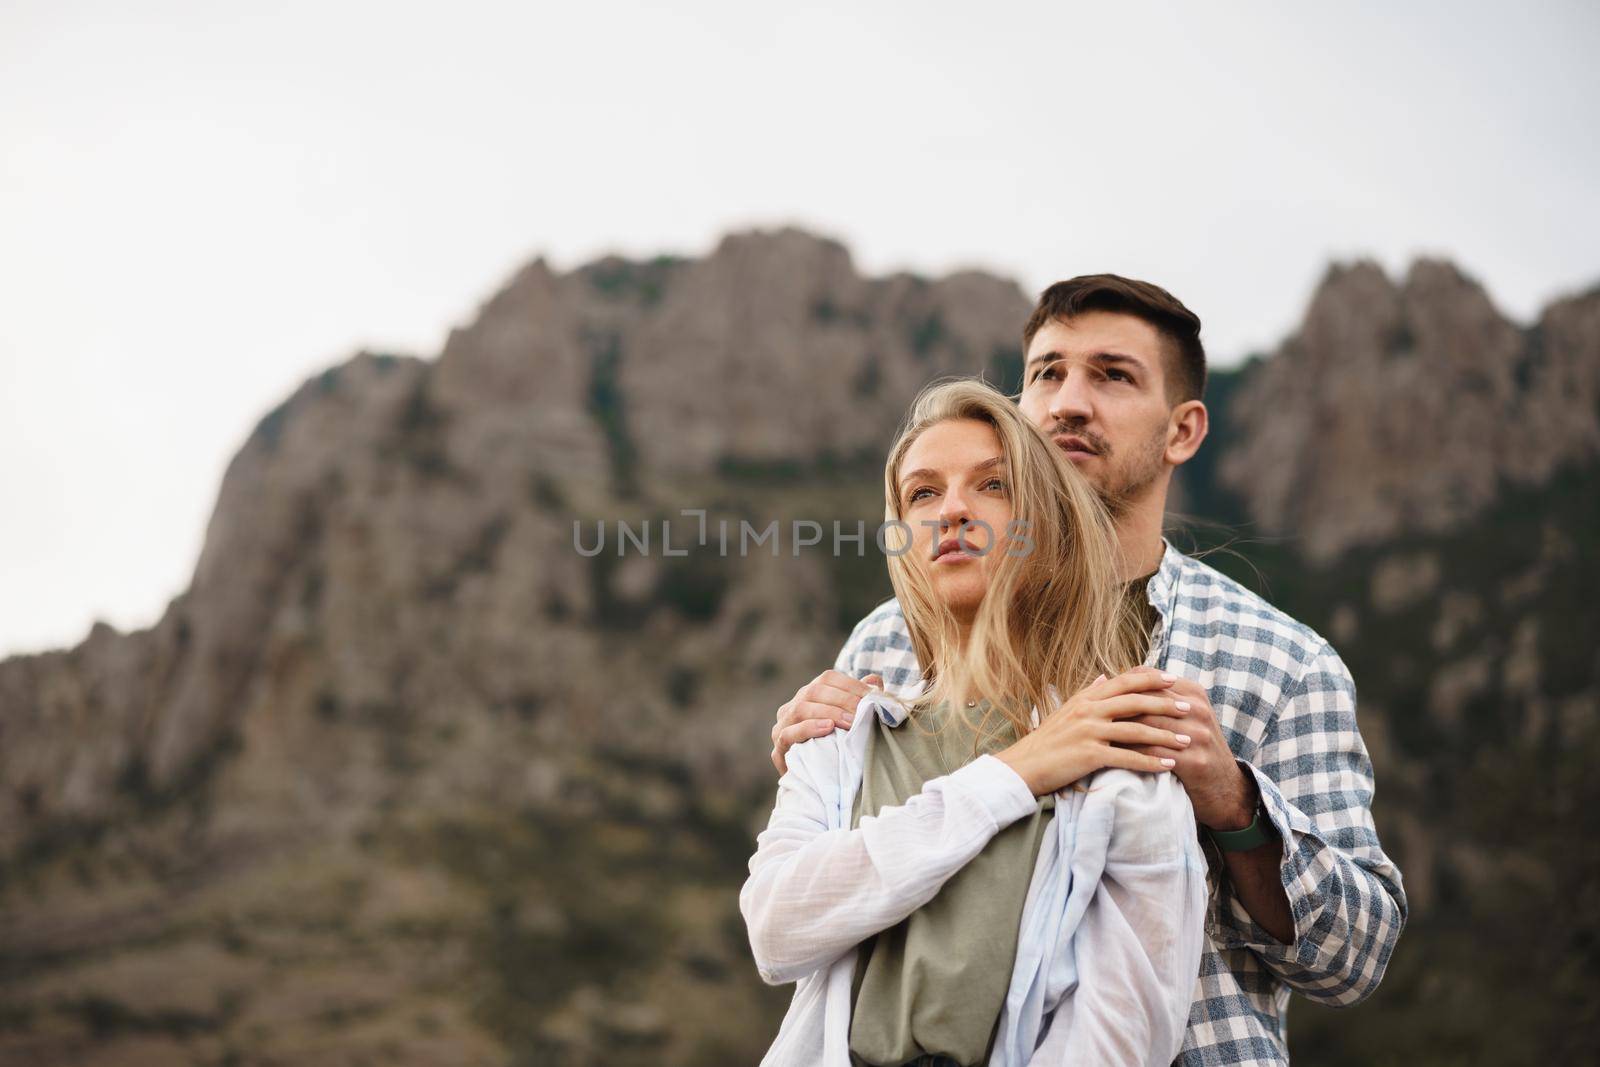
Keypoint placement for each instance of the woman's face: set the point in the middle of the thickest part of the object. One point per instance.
(954, 473)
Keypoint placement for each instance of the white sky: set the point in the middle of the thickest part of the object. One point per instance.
(201, 204)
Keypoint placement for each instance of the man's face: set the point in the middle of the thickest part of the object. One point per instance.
(1096, 385)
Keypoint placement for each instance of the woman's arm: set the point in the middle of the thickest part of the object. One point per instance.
(1137, 949)
(814, 893)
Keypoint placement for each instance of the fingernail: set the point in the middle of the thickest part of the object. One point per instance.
(1169, 763)
(1181, 705)
(1165, 677)
(1183, 739)
(849, 717)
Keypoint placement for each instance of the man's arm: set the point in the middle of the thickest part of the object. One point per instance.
(1254, 874)
(1345, 896)
(1222, 789)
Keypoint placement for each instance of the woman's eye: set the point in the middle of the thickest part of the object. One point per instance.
(916, 494)
(996, 483)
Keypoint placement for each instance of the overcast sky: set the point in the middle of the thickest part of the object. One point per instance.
(202, 204)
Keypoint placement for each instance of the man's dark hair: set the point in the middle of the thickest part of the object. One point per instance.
(1186, 365)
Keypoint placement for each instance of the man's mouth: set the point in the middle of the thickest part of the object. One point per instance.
(1070, 444)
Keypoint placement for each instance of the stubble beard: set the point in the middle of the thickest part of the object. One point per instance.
(1129, 482)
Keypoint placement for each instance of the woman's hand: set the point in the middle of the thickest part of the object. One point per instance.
(1083, 735)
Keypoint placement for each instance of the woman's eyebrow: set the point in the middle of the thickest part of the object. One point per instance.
(924, 472)
(988, 464)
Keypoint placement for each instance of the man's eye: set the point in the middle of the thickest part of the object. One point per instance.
(1122, 373)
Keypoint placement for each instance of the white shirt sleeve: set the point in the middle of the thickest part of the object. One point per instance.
(815, 893)
(1137, 949)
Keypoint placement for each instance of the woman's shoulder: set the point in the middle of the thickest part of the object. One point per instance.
(1150, 814)
(821, 755)
(816, 759)
(1140, 793)
(821, 758)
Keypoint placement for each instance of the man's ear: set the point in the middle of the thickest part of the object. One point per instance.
(1186, 429)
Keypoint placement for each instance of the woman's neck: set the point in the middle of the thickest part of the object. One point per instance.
(963, 640)
(963, 632)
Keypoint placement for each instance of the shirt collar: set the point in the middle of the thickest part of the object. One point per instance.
(1165, 580)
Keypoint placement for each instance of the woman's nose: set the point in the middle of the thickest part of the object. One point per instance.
(954, 511)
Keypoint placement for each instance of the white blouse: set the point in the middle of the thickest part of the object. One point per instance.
(1111, 932)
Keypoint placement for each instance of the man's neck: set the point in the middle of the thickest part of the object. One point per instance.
(1139, 537)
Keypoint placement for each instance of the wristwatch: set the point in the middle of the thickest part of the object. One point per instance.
(1259, 832)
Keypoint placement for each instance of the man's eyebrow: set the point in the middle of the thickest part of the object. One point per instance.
(976, 468)
(1098, 357)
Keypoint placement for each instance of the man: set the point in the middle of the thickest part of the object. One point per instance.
(1304, 898)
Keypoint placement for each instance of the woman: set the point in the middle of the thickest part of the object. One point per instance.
(955, 880)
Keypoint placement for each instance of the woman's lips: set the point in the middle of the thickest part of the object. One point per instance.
(953, 551)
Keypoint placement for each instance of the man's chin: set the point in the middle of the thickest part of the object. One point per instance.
(1125, 497)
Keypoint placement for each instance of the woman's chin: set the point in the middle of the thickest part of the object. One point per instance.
(961, 592)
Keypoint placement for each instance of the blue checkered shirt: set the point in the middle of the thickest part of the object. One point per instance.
(1287, 705)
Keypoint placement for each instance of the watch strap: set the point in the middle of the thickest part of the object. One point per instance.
(1258, 833)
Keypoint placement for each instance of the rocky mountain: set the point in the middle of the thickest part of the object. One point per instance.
(1408, 407)
(403, 776)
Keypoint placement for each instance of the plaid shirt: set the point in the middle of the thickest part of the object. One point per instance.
(1287, 705)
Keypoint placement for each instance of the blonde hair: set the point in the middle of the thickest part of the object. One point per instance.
(1053, 616)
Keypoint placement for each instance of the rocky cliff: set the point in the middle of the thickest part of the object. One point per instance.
(1407, 407)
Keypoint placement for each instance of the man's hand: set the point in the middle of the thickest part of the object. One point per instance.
(1223, 795)
(1083, 734)
(827, 700)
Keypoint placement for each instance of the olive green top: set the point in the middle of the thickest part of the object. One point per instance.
(935, 982)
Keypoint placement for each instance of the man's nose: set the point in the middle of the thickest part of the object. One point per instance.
(1072, 400)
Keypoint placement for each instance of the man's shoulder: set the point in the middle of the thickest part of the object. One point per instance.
(882, 627)
(1218, 606)
(881, 644)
